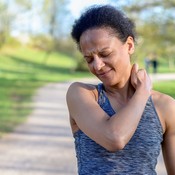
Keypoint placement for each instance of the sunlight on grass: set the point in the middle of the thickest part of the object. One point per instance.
(22, 71)
(167, 87)
(40, 57)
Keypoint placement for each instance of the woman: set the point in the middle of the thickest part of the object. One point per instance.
(120, 124)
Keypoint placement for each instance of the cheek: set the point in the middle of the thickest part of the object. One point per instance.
(123, 57)
(121, 62)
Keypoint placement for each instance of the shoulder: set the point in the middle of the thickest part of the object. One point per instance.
(78, 89)
(78, 85)
(158, 95)
(165, 106)
(163, 101)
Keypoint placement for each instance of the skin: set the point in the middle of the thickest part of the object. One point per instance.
(128, 90)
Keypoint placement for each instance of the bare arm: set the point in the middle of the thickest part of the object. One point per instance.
(168, 145)
(115, 132)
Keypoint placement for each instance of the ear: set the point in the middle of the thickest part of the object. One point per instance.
(130, 45)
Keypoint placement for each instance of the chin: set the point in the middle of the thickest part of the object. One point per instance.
(108, 82)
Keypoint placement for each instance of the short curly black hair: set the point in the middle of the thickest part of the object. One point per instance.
(106, 16)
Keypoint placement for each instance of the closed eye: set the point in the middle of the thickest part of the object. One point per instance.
(103, 55)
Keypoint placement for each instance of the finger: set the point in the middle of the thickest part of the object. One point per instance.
(134, 71)
(141, 74)
(135, 68)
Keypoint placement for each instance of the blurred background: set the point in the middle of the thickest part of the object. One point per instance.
(36, 48)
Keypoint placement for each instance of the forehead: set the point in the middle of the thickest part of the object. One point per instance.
(97, 38)
(97, 33)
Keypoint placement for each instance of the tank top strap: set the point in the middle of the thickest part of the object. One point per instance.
(103, 100)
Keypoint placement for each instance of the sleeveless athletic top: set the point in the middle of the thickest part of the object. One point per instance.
(139, 156)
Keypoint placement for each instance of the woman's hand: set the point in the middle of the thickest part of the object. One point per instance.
(140, 79)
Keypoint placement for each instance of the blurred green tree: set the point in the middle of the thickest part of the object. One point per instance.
(5, 22)
(155, 25)
(54, 15)
(7, 17)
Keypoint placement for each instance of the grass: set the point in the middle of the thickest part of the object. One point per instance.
(22, 71)
(167, 87)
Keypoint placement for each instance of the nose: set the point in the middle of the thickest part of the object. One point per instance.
(98, 63)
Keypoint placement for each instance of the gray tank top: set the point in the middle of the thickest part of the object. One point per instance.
(139, 156)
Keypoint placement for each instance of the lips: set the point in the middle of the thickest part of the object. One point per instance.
(104, 73)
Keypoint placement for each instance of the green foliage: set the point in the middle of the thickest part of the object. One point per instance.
(154, 22)
(67, 47)
(22, 71)
(5, 22)
(155, 26)
(42, 42)
(24, 4)
(53, 15)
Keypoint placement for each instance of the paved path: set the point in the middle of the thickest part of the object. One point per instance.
(159, 77)
(44, 144)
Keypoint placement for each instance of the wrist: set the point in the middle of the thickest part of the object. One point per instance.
(143, 93)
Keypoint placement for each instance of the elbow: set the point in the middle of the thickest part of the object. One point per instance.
(116, 147)
(116, 143)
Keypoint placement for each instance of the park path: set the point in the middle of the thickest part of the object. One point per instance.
(43, 145)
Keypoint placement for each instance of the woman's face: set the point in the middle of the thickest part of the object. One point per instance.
(107, 57)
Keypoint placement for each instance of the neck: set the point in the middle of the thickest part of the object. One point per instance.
(123, 90)
(123, 93)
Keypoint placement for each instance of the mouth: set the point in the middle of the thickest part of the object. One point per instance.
(104, 73)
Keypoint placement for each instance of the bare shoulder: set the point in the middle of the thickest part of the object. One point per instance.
(162, 100)
(77, 89)
(165, 106)
(78, 85)
(78, 97)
